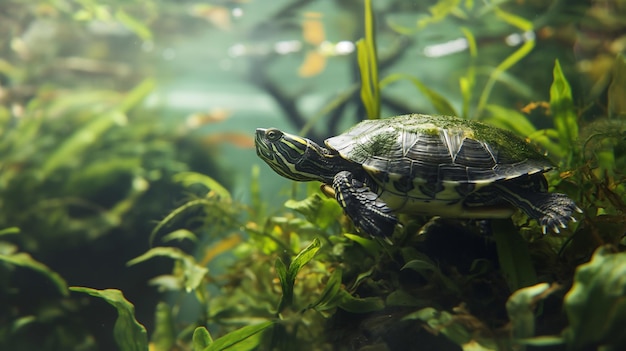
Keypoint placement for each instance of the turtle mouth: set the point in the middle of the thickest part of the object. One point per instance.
(263, 149)
(268, 152)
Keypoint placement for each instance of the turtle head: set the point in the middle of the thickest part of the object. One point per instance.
(293, 157)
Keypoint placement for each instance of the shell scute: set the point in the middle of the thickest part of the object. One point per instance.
(430, 150)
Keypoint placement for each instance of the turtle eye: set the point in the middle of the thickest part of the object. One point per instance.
(273, 134)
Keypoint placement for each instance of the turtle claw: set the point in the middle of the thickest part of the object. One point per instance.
(555, 212)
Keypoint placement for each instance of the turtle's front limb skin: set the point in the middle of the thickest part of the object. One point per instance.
(552, 210)
(362, 205)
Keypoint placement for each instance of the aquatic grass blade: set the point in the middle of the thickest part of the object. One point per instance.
(188, 179)
(368, 66)
(232, 339)
(546, 139)
(287, 276)
(193, 274)
(562, 106)
(129, 334)
(173, 214)
(330, 292)
(467, 83)
(353, 304)
(367, 96)
(133, 24)
(77, 144)
(516, 21)
(425, 266)
(513, 255)
(286, 287)
(440, 103)
(445, 323)
(617, 89)
(25, 260)
(511, 120)
(10, 230)
(164, 335)
(372, 247)
(134, 97)
(511, 60)
(303, 258)
(524, 25)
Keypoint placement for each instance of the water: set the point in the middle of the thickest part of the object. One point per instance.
(106, 107)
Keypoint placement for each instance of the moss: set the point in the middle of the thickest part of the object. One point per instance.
(384, 135)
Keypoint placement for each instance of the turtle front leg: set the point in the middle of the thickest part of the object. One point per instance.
(551, 210)
(365, 209)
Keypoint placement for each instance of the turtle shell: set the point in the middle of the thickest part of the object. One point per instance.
(414, 150)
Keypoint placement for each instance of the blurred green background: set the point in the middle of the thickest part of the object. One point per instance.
(126, 132)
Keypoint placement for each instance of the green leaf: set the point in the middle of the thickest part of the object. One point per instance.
(424, 267)
(188, 179)
(444, 322)
(401, 297)
(513, 255)
(238, 336)
(562, 105)
(286, 286)
(322, 212)
(287, 276)
(617, 89)
(546, 139)
(516, 21)
(372, 247)
(453, 328)
(129, 334)
(193, 274)
(78, 143)
(524, 25)
(330, 292)
(180, 235)
(542, 341)
(164, 336)
(353, 304)
(137, 95)
(22, 322)
(439, 11)
(511, 120)
(303, 258)
(440, 103)
(201, 339)
(134, 25)
(520, 308)
(10, 230)
(23, 259)
(595, 305)
(175, 213)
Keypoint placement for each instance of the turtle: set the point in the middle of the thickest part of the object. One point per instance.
(418, 164)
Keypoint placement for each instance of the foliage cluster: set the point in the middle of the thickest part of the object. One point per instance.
(84, 167)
